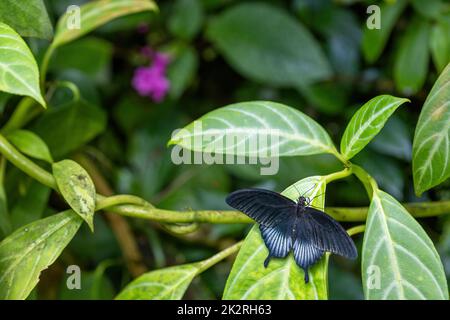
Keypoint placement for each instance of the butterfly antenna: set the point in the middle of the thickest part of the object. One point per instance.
(311, 200)
(314, 185)
(298, 191)
(317, 196)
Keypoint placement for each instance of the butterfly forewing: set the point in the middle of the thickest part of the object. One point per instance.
(328, 235)
(265, 207)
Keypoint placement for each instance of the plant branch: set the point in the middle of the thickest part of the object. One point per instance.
(219, 256)
(25, 164)
(369, 183)
(26, 110)
(44, 65)
(343, 214)
(356, 230)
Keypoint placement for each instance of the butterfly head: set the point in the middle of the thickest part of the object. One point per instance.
(303, 201)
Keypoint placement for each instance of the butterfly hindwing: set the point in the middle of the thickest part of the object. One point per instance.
(306, 253)
(265, 207)
(278, 240)
(328, 235)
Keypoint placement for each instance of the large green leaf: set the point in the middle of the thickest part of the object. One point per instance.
(181, 71)
(374, 40)
(77, 188)
(411, 61)
(282, 279)
(399, 260)
(30, 144)
(431, 146)
(66, 128)
(431, 8)
(395, 139)
(367, 122)
(95, 14)
(31, 249)
(31, 203)
(78, 56)
(19, 72)
(170, 283)
(297, 133)
(265, 44)
(30, 20)
(440, 45)
(186, 18)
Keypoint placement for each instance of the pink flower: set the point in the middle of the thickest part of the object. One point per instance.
(151, 82)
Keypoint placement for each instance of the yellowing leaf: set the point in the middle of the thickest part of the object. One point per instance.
(77, 188)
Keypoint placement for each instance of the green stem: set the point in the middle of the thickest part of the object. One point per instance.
(206, 264)
(168, 216)
(343, 214)
(44, 66)
(70, 86)
(355, 230)
(26, 110)
(369, 183)
(105, 202)
(338, 175)
(25, 164)
(340, 157)
(184, 228)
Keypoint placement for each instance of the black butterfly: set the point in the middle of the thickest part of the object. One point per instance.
(287, 225)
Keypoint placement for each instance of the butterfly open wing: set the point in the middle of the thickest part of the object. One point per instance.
(327, 234)
(309, 234)
(264, 206)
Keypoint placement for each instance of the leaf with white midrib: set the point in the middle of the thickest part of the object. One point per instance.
(170, 283)
(31, 249)
(282, 279)
(290, 131)
(397, 246)
(431, 146)
(165, 284)
(367, 122)
(19, 72)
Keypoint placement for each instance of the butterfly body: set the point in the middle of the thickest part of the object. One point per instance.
(288, 226)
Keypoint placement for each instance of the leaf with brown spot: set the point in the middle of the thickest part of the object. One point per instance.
(77, 188)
